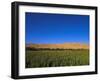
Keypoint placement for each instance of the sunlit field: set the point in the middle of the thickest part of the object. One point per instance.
(56, 58)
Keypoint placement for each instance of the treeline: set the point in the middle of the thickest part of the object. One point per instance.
(37, 49)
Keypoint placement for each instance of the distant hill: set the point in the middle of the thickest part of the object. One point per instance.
(59, 46)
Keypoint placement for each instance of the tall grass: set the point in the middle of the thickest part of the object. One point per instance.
(55, 58)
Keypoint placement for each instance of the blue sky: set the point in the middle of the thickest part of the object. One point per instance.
(45, 28)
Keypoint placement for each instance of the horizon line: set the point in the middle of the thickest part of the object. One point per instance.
(60, 43)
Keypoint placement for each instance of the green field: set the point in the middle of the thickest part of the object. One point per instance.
(55, 58)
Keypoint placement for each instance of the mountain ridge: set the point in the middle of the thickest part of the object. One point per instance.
(59, 46)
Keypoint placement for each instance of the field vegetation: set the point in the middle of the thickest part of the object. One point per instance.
(56, 57)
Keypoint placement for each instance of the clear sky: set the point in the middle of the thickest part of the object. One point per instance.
(45, 28)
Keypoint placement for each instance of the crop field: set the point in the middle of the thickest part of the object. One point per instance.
(56, 58)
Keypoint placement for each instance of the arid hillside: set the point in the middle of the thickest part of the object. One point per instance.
(59, 46)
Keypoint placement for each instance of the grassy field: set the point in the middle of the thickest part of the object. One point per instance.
(54, 58)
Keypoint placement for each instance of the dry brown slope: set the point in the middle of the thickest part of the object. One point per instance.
(60, 46)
